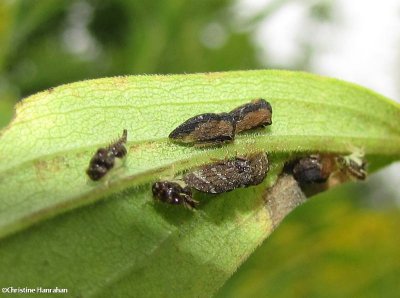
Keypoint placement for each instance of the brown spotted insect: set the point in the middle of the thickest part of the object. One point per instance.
(227, 175)
(257, 113)
(173, 193)
(205, 130)
(104, 158)
(315, 168)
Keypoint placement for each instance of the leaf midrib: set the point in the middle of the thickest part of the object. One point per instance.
(84, 149)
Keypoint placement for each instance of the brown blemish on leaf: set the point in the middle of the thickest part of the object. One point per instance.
(46, 168)
(134, 148)
(142, 147)
(282, 198)
(40, 168)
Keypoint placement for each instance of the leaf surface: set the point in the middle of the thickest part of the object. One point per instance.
(124, 242)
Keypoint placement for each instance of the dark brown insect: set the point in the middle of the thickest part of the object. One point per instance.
(173, 193)
(318, 172)
(205, 130)
(315, 168)
(104, 158)
(251, 115)
(226, 175)
(313, 173)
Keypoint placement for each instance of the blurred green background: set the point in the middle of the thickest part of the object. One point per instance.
(340, 244)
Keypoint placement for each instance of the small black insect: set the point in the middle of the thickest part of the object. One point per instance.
(173, 193)
(251, 115)
(312, 169)
(314, 173)
(104, 158)
(315, 168)
(205, 130)
(226, 175)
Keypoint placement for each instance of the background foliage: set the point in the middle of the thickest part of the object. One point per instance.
(343, 243)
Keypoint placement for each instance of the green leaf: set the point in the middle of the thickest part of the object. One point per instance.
(126, 243)
(336, 239)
